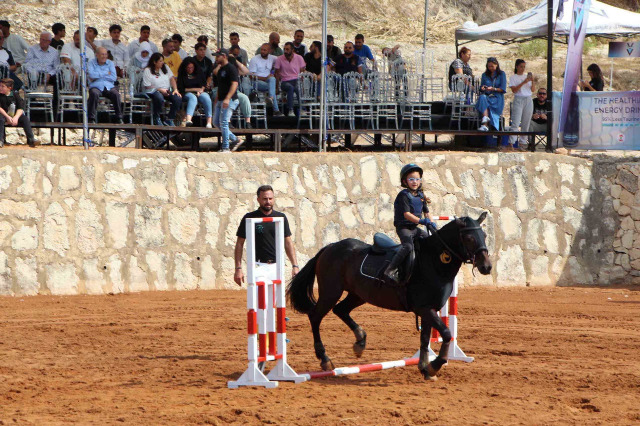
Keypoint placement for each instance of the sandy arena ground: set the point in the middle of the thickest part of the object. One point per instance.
(543, 356)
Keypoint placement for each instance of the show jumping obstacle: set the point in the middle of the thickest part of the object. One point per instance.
(264, 321)
(263, 325)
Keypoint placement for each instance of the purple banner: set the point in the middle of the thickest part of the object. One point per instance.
(568, 123)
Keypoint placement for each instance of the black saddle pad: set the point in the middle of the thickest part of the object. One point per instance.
(379, 257)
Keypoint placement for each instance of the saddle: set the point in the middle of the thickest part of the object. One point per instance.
(379, 257)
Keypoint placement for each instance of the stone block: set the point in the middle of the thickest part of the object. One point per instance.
(540, 185)
(627, 240)
(183, 274)
(539, 271)
(21, 210)
(6, 229)
(55, 229)
(627, 198)
(627, 180)
(579, 273)
(627, 224)
(307, 216)
(130, 163)
(533, 233)
(567, 194)
(616, 191)
(347, 217)
(89, 176)
(147, 225)
(119, 183)
(393, 165)
(117, 215)
(114, 266)
(208, 275)
(635, 213)
(572, 217)
(521, 188)
(330, 233)
(26, 238)
(157, 263)
(6, 286)
(549, 206)
(184, 224)
(68, 180)
(468, 184)
(510, 267)
(212, 227)
(279, 181)
(89, 228)
(154, 181)
(449, 180)
(28, 172)
(322, 172)
(367, 210)
(181, 180)
(93, 277)
(510, 224)
(309, 181)
(137, 276)
(566, 172)
(493, 187)
(585, 174)
(26, 272)
(550, 236)
(5, 178)
(61, 279)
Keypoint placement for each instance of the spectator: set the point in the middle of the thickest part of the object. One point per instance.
(522, 86)
(171, 57)
(12, 112)
(102, 75)
(43, 57)
(141, 58)
(70, 53)
(332, 51)
(234, 38)
(59, 32)
(363, 51)
(313, 59)
(117, 48)
(597, 80)
(205, 40)
(541, 107)
(6, 59)
(192, 85)
(14, 43)
(288, 67)
(160, 85)
(243, 100)
(491, 101)
(397, 65)
(90, 37)
(205, 64)
(299, 47)
(227, 97)
(177, 41)
(348, 61)
(274, 48)
(134, 46)
(262, 67)
(461, 65)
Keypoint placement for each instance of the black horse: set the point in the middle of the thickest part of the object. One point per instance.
(437, 261)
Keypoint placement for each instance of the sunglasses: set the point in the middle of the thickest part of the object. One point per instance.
(542, 93)
(414, 179)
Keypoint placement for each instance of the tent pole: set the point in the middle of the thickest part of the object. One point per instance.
(426, 14)
(83, 76)
(220, 24)
(549, 146)
(611, 78)
(322, 134)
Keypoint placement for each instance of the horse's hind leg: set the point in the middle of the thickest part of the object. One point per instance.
(342, 310)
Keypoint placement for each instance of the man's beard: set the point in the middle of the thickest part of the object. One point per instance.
(266, 208)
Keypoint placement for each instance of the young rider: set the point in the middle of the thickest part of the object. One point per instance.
(409, 206)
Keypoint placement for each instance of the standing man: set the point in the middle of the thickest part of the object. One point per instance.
(134, 46)
(12, 112)
(14, 43)
(227, 97)
(102, 76)
(243, 57)
(288, 67)
(118, 48)
(299, 47)
(265, 239)
(70, 53)
(362, 50)
(171, 57)
(59, 32)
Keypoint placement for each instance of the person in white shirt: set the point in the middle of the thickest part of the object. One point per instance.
(14, 43)
(70, 53)
(134, 46)
(262, 67)
(118, 48)
(177, 41)
(90, 37)
(43, 57)
(160, 85)
(234, 39)
(522, 86)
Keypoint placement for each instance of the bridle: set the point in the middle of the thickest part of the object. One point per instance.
(468, 257)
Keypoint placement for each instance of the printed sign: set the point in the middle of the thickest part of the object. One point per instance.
(623, 49)
(609, 120)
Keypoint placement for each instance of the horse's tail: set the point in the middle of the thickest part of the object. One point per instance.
(300, 288)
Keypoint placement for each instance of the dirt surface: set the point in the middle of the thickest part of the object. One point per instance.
(543, 355)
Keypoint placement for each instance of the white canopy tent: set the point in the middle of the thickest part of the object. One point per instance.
(604, 20)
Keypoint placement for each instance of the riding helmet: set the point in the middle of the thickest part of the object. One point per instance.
(411, 167)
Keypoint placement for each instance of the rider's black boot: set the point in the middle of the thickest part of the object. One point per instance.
(391, 273)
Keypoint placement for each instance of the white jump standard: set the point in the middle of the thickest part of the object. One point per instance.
(264, 320)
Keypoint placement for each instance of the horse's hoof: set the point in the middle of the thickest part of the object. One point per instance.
(358, 348)
(427, 374)
(327, 365)
(431, 371)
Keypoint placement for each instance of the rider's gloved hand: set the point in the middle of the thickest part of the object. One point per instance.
(425, 221)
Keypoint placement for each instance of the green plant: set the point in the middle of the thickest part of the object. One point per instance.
(532, 49)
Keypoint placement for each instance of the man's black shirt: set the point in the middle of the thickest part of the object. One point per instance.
(265, 235)
(313, 64)
(227, 75)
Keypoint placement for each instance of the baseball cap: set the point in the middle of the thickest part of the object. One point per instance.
(220, 52)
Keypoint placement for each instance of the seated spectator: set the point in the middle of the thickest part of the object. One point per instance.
(274, 48)
(205, 64)
(192, 85)
(362, 50)
(177, 46)
(117, 48)
(102, 75)
(288, 67)
(43, 57)
(397, 65)
(596, 84)
(491, 101)
(226, 97)
(59, 32)
(205, 40)
(348, 61)
(299, 47)
(541, 107)
(70, 53)
(161, 86)
(141, 58)
(313, 59)
(262, 67)
(14, 43)
(461, 65)
(6, 60)
(171, 57)
(243, 57)
(90, 37)
(522, 86)
(134, 46)
(333, 51)
(12, 112)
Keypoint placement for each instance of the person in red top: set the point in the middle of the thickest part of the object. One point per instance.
(288, 67)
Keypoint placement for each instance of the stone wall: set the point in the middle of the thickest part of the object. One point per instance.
(101, 221)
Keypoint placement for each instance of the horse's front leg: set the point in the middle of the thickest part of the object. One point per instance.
(425, 337)
(431, 369)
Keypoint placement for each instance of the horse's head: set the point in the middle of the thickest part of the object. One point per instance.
(474, 247)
